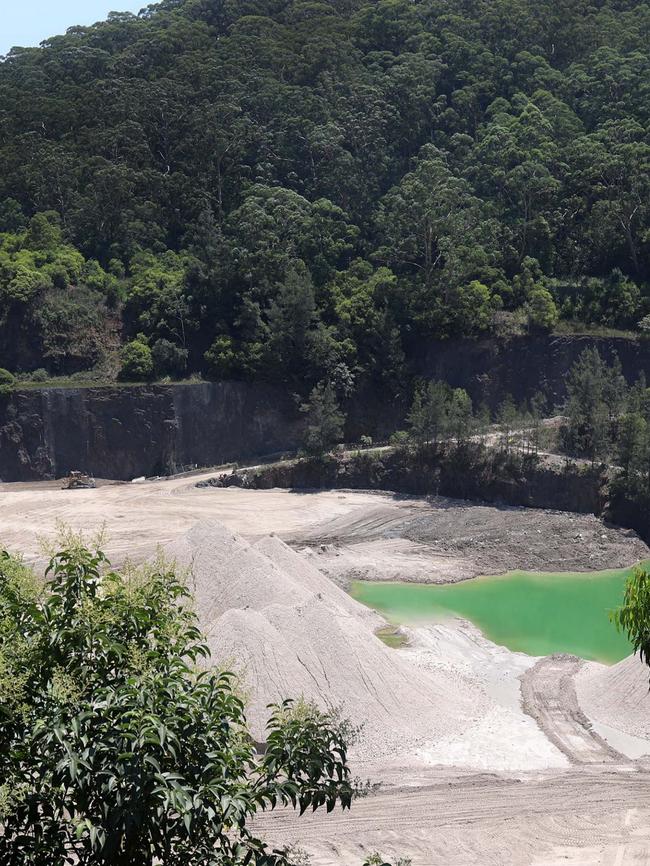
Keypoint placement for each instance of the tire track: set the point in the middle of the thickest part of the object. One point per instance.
(549, 696)
(575, 808)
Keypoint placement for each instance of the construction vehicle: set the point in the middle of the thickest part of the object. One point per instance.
(78, 481)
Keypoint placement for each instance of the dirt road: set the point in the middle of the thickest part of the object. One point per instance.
(549, 696)
(595, 816)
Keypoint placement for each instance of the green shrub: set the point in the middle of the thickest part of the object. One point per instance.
(40, 375)
(73, 328)
(399, 438)
(376, 859)
(168, 358)
(7, 381)
(542, 311)
(126, 750)
(137, 361)
(221, 357)
(325, 421)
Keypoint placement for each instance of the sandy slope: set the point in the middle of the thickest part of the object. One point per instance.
(291, 632)
(497, 735)
(617, 697)
(446, 540)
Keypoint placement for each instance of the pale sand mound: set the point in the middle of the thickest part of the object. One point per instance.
(290, 632)
(227, 572)
(617, 696)
(293, 633)
(308, 576)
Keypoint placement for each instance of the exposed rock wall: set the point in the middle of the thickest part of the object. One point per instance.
(489, 369)
(149, 430)
(153, 429)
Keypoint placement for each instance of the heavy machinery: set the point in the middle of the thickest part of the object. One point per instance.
(78, 481)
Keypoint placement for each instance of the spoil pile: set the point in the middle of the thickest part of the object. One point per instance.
(617, 696)
(290, 632)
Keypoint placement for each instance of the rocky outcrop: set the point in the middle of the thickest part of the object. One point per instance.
(122, 432)
(144, 430)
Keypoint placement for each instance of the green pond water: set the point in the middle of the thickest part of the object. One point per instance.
(538, 614)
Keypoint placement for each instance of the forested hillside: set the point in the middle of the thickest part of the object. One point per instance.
(302, 190)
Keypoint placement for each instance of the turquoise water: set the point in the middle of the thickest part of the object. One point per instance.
(538, 614)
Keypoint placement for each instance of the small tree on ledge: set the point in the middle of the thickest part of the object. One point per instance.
(325, 420)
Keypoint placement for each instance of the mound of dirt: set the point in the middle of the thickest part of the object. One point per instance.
(616, 696)
(227, 573)
(290, 632)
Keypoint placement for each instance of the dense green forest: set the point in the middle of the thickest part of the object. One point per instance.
(304, 190)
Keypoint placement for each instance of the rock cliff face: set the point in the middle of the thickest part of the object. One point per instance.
(490, 369)
(149, 430)
(155, 429)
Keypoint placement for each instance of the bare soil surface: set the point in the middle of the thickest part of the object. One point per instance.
(595, 817)
(549, 696)
(596, 813)
(349, 533)
(440, 540)
(475, 769)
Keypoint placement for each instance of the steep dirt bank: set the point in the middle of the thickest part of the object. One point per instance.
(290, 632)
(616, 696)
(472, 473)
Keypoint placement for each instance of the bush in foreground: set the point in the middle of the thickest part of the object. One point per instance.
(116, 749)
(633, 617)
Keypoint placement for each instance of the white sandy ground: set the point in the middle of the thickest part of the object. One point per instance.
(500, 737)
(469, 778)
(291, 631)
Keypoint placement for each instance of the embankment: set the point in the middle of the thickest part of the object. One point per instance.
(473, 473)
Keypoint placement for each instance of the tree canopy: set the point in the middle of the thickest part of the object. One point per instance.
(199, 172)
